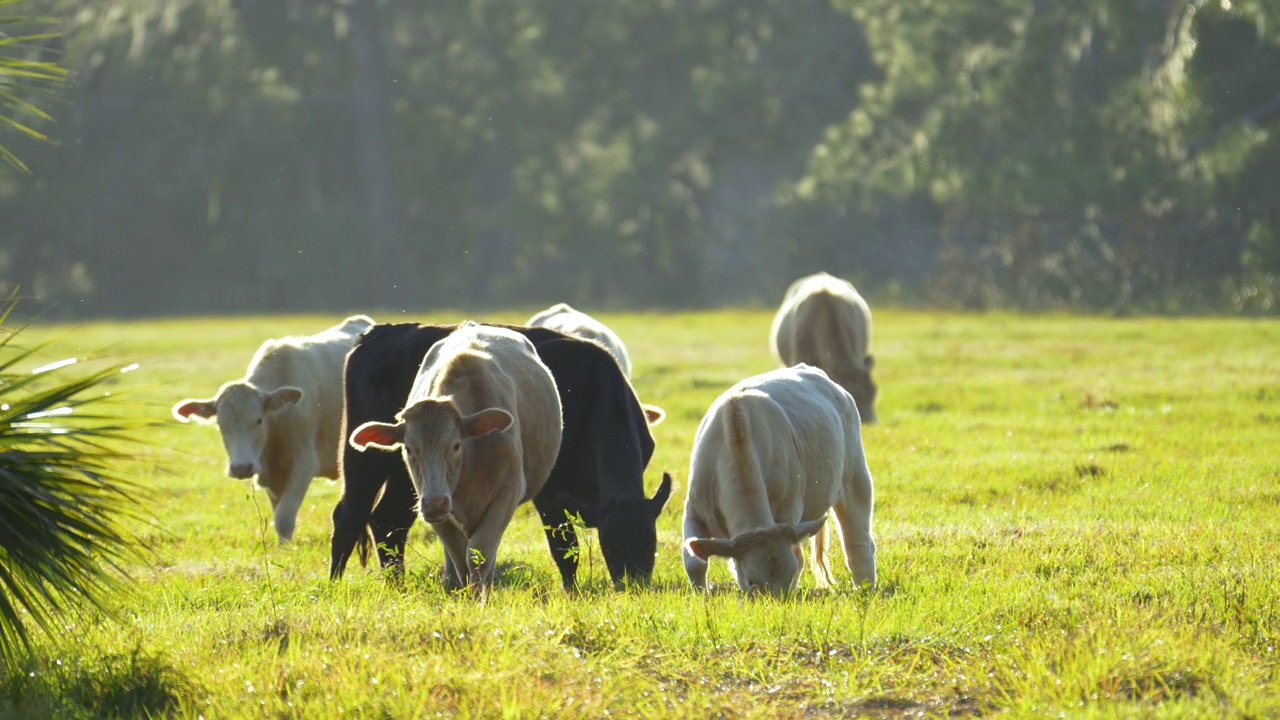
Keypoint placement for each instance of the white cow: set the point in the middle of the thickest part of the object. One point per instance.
(480, 432)
(824, 322)
(282, 421)
(771, 457)
(563, 318)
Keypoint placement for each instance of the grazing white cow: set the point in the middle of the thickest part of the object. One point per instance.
(480, 432)
(824, 322)
(772, 456)
(282, 421)
(563, 318)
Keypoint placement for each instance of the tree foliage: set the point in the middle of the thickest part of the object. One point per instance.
(1075, 148)
(235, 155)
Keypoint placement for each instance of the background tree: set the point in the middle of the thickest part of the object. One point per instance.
(225, 156)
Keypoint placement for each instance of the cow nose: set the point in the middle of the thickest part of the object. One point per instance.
(435, 508)
(240, 470)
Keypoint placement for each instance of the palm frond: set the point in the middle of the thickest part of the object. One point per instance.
(22, 76)
(63, 549)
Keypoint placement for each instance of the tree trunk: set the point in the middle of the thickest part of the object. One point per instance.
(390, 270)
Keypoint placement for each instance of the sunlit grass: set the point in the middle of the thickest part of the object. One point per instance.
(1074, 515)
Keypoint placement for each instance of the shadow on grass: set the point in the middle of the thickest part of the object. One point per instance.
(126, 685)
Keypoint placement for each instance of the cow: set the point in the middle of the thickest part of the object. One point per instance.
(281, 421)
(479, 433)
(773, 455)
(824, 322)
(599, 474)
(573, 322)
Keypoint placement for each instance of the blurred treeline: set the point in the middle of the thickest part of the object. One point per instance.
(238, 155)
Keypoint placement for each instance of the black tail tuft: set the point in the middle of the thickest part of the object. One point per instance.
(363, 544)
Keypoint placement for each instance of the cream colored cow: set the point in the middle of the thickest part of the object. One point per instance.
(824, 322)
(563, 318)
(281, 421)
(479, 432)
(773, 455)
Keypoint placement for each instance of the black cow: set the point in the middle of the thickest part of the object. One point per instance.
(598, 474)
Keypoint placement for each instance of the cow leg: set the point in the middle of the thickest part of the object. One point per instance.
(391, 520)
(562, 539)
(483, 547)
(363, 475)
(853, 513)
(297, 482)
(694, 566)
(454, 541)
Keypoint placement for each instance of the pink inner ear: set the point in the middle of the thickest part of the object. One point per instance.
(195, 407)
(701, 548)
(375, 435)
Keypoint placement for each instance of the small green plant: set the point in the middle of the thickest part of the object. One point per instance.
(574, 522)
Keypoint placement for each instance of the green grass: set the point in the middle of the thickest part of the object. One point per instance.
(1074, 515)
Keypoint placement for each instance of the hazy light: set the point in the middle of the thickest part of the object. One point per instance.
(54, 365)
(64, 410)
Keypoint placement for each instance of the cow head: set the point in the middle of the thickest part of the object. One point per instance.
(768, 559)
(243, 413)
(628, 538)
(863, 389)
(430, 435)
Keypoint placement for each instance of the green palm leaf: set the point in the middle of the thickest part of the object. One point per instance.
(23, 75)
(63, 550)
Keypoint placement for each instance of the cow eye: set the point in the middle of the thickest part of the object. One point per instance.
(259, 421)
(457, 448)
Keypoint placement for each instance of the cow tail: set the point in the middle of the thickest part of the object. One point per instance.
(363, 543)
(821, 566)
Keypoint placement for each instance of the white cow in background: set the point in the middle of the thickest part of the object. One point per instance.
(563, 318)
(282, 421)
(773, 455)
(824, 322)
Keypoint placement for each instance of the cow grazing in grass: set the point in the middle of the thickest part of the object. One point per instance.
(599, 473)
(573, 322)
(824, 322)
(479, 433)
(281, 421)
(773, 455)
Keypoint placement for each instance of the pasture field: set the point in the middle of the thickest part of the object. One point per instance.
(1076, 517)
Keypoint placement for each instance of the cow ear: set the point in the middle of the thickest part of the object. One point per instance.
(201, 410)
(380, 436)
(485, 422)
(870, 362)
(281, 398)
(807, 529)
(659, 499)
(706, 548)
(653, 414)
(589, 512)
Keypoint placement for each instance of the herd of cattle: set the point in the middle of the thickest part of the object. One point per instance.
(459, 424)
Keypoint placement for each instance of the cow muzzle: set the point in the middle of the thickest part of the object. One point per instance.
(241, 471)
(435, 508)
